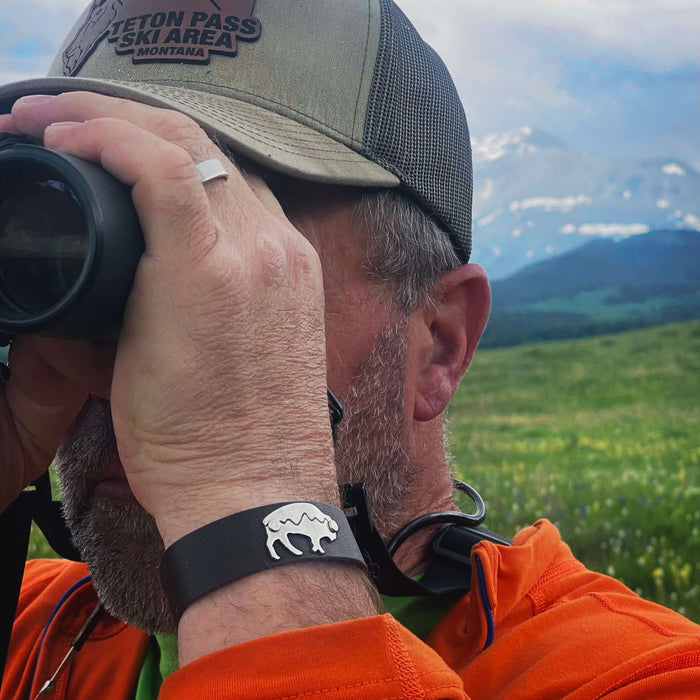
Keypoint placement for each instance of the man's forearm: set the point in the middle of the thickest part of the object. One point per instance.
(269, 602)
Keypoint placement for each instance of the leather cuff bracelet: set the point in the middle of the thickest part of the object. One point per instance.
(254, 540)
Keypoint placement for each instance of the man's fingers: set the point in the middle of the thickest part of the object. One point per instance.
(155, 151)
(7, 124)
(51, 380)
(39, 363)
(33, 116)
(171, 202)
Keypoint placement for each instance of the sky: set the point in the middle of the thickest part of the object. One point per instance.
(609, 76)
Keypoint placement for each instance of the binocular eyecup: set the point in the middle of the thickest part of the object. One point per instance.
(70, 242)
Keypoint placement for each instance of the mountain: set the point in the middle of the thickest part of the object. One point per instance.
(602, 286)
(534, 198)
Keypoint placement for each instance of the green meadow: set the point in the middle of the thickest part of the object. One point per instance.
(602, 436)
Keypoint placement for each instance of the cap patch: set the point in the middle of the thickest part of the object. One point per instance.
(163, 30)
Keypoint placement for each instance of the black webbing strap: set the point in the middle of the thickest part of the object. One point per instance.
(15, 527)
(449, 570)
(244, 543)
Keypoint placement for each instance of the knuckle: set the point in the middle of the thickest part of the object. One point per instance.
(72, 98)
(171, 186)
(288, 260)
(103, 124)
(172, 177)
(225, 276)
(177, 127)
(273, 256)
(177, 163)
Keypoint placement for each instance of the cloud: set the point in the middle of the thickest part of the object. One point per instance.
(654, 35)
(612, 74)
(31, 33)
(509, 59)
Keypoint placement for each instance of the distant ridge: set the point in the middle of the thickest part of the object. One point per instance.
(602, 286)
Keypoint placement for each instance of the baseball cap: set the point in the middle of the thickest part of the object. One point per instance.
(335, 91)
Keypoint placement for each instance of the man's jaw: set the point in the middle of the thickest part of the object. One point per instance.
(116, 537)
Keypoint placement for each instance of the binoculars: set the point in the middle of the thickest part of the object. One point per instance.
(70, 242)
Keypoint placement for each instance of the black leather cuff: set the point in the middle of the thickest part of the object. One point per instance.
(254, 540)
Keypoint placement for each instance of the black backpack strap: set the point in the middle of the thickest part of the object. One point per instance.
(387, 577)
(15, 528)
(15, 525)
(450, 566)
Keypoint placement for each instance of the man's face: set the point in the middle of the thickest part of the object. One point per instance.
(366, 345)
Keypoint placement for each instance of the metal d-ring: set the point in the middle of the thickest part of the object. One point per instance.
(4, 369)
(439, 517)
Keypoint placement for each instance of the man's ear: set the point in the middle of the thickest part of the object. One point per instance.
(453, 325)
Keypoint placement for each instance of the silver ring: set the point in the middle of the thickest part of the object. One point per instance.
(211, 169)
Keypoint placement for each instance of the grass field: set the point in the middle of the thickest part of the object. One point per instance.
(602, 436)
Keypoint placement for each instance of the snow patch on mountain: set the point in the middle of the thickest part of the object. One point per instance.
(612, 229)
(673, 169)
(495, 146)
(692, 221)
(562, 204)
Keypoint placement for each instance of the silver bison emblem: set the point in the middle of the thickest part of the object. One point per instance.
(298, 519)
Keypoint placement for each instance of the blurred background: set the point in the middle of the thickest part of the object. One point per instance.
(583, 404)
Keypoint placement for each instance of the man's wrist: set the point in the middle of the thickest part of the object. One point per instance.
(254, 540)
(271, 602)
(219, 490)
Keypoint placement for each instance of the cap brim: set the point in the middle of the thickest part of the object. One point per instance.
(268, 138)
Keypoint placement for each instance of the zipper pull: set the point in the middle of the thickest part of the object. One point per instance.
(75, 647)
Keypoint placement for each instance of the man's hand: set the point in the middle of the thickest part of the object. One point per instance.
(218, 387)
(218, 393)
(51, 380)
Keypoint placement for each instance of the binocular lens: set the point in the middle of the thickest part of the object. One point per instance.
(44, 240)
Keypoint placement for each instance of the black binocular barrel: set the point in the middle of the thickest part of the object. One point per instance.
(70, 242)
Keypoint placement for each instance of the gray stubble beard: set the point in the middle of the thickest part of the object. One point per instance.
(120, 541)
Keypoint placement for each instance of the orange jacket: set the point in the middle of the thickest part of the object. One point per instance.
(537, 624)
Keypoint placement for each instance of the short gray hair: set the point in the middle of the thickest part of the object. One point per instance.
(406, 247)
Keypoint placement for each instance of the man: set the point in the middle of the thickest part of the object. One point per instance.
(337, 255)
